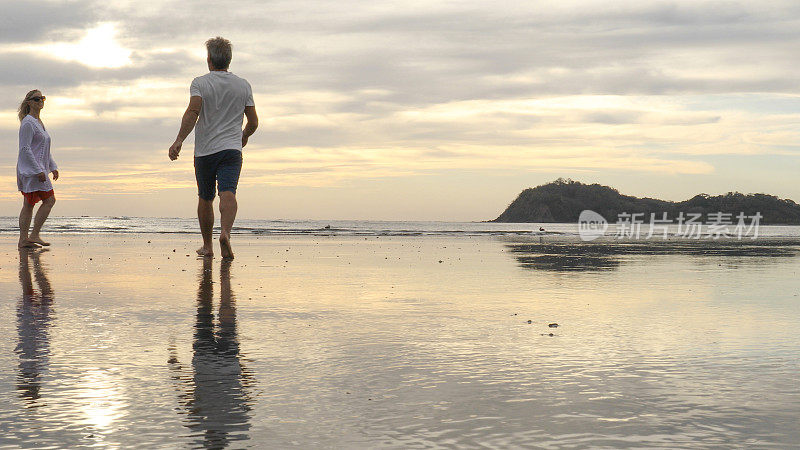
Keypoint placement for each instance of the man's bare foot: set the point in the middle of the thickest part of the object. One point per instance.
(205, 252)
(27, 244)
(225, 246)
(38, 240)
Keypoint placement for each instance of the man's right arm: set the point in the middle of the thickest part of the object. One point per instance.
(251, 125)
(188, 122)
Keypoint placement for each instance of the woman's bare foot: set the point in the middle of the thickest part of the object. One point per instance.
(225, 246)
(205, 252)
(38, 240)
(27, 244)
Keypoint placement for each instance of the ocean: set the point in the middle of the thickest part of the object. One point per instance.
(259, 227)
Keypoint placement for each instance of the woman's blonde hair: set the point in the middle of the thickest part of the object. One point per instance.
(24, 107)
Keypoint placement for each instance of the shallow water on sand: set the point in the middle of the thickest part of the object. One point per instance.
(355, 342)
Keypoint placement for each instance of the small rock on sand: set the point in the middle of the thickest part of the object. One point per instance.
(553, 325)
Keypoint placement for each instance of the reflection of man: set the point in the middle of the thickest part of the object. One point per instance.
(33, 320)
(217, 403)
(218, 101)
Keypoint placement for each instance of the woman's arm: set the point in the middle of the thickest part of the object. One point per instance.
(28, 166)
(53, 167)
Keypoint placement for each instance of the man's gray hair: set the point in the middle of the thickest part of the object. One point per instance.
(219, 51)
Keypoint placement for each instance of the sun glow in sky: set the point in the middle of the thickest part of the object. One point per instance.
(97, 49)
(426, 112)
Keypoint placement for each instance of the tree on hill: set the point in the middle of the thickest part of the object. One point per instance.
(563, 200)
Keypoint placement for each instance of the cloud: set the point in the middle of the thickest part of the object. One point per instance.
(26, 22)
(22, 70)
(348, 90)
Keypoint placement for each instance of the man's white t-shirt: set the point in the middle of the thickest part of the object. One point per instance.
(219, 126)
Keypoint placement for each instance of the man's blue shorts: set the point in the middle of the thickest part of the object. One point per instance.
(223, 167)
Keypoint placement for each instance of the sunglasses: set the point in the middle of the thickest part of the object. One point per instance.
(37, 99)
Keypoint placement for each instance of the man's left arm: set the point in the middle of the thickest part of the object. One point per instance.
(251, 125)
(187, 125)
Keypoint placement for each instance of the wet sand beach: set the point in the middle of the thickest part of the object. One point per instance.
(398, 341)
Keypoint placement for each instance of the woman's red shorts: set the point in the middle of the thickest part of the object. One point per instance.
(33, 197)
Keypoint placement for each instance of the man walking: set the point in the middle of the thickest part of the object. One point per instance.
(218, 101)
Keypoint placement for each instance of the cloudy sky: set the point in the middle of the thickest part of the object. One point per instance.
(417, 110)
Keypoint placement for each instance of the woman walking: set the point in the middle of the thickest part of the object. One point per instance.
(34, 164)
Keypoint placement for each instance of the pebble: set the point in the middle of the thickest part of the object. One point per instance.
(553, 325)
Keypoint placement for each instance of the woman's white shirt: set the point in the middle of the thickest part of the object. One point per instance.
(34, 156)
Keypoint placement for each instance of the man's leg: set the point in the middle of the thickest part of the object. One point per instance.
(204, 170)
(25, 216)
(205, 215)
(38, 221)
(227, 211)
(228, 179)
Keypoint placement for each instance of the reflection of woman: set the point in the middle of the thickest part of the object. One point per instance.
(34, 164)
(217, 403)
(33, 320)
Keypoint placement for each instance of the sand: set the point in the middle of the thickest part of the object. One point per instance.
(402, 341)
